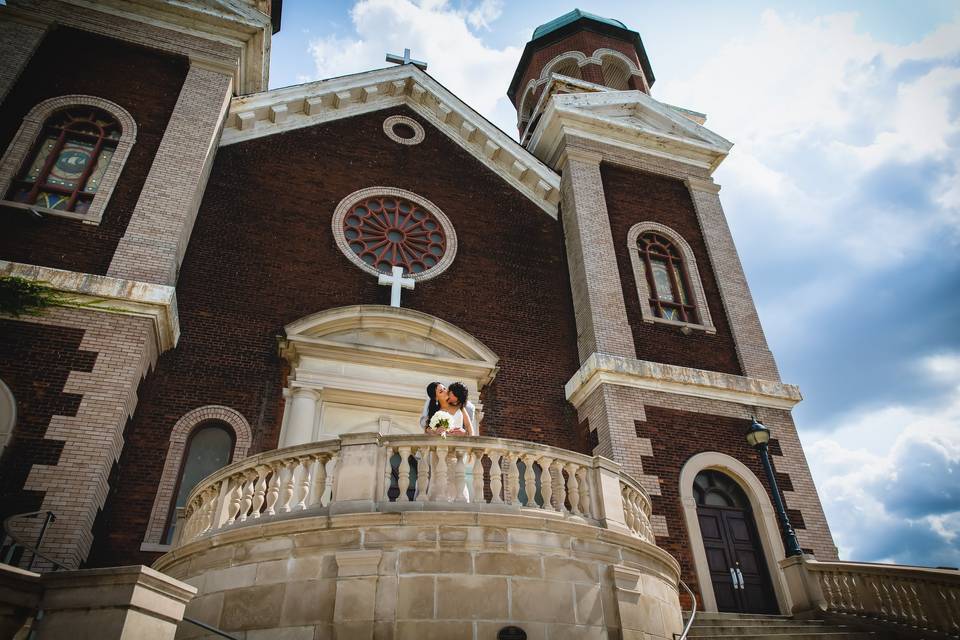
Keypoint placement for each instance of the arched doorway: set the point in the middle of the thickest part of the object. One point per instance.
(734, 552)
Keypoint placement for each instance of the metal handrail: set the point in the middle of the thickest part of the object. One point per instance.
(204, 625)
(51, 517)
(693, 611)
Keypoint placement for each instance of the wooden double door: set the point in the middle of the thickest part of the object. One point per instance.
(738, 571)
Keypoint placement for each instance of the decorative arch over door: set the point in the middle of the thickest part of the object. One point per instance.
(763, 516)
(365, 368)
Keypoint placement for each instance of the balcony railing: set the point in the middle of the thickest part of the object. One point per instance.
(917, 599)
(369, 472)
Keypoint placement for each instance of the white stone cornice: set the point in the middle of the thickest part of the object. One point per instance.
(328, 100)
(109, 295)
(630, 120)
(602, 369)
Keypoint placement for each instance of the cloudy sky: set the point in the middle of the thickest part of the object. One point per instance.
(843, 192)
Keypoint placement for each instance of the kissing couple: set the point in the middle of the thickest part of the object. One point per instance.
(453, 402)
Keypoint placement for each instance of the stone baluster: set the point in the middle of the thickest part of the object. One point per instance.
(586, 506)
(388, 475)
(403, 474)
(438, 483)
(273, 488)
(546, 482)
(560, 492)
(236, 498)
(530, 481)
(477, 489)
(319, 481)
(460, 475)
(209, 504)
(573, 488)
(496, 476)
(286, 495)
(513, 479)
(246, 500)
(304, 463)
(423, 473)
(260, 492)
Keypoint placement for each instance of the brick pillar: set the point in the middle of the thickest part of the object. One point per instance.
(159, 230)
(752, 348)
(18, 41)
(601, 315)
(75, 488)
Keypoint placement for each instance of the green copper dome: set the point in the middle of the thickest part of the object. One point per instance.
(573, 16)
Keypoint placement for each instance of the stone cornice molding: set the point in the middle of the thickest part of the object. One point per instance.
(629, 120)
(701, 184)
(306, 105)
(602, 369)
(110, 295)
(221, 35)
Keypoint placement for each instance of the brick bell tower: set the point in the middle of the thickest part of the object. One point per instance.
(674, 361)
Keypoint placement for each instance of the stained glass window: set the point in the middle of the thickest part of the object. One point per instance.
(667, 278)
(390, 231)
(69, 161)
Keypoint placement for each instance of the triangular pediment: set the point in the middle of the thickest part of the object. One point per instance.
(629, 119)
(290, 108)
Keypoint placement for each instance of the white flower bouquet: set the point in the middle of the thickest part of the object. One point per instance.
(441, 420)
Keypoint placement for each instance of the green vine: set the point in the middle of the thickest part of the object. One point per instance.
(19, 296)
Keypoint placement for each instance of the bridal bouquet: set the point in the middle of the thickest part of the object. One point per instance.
(441, 420)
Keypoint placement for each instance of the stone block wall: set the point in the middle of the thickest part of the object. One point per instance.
(429, 574)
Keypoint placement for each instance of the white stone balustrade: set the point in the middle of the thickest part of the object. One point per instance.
(369, 472)
(917, 598)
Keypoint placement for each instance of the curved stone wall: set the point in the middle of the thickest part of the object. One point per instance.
(432, 574)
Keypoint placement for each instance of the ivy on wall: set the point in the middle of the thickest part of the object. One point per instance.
(19, 296)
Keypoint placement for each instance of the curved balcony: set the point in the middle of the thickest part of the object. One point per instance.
(417, 536)
(368, 472)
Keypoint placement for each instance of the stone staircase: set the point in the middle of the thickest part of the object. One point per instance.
(735, 626)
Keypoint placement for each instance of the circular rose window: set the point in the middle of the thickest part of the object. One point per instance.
(381, 228)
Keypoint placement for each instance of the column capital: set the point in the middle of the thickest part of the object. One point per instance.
(581, 155)
(702, 184)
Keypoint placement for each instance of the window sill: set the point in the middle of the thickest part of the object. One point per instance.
(85, 218)
(710, 330)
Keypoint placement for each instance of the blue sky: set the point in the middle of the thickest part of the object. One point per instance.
(842, 190)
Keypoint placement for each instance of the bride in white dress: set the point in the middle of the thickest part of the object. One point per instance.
(452, 400)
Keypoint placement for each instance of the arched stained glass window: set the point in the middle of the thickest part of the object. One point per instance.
(209, 448)
(68, 162)
(712, 488)
(667, 278)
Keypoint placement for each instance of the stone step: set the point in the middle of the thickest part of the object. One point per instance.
(746, 628)
(772, 635)
(726, 619)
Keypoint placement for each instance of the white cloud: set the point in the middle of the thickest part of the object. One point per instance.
(889, 477)
(442, 36)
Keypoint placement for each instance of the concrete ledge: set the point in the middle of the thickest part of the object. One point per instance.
(110, 295)
(602, 369)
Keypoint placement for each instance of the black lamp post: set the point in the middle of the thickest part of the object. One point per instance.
(757, 437)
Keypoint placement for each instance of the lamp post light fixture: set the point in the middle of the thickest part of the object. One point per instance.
(757, 437)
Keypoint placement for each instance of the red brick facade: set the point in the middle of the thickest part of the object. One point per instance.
(262, 255)
(634, 196)
(144, 82)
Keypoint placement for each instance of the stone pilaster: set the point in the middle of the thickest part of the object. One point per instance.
(752, 348)
(156, 238)
(18, 41)
(601, 315)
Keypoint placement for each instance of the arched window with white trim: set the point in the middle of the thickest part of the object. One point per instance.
(566, 64)
(668, 281)
(67, 156)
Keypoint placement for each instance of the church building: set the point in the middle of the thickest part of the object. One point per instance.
(252, 288)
